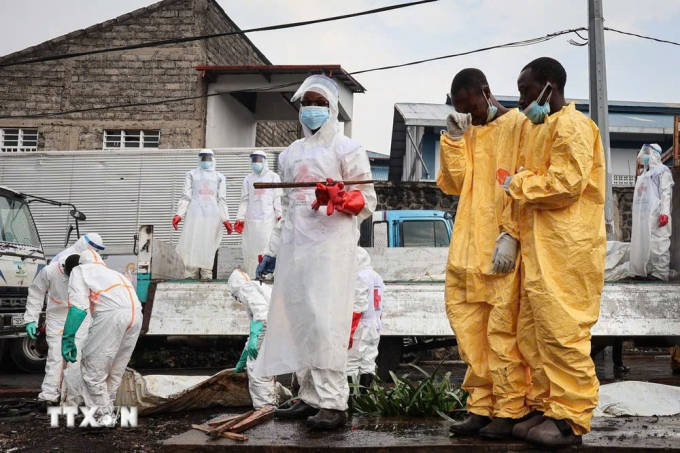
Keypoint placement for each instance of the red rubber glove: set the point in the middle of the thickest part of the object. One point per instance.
(325, 193)
(238, 226)
(351, 202)
(175, 221)
(356, 317)
(663, 220)
(227, 225)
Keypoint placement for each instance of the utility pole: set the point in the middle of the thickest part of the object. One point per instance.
(599, 112)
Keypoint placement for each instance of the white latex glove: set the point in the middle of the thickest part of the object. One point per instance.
(505, 254)
(457, 124)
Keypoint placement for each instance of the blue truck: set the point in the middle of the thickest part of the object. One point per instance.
(427, 228)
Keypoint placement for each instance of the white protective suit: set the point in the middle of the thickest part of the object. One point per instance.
(311, 309)
(255, 298)
(116, 323)
(89, 241)
(53, 282)
(370, 297)
(203, 207)
(259, 210)
(650, 243)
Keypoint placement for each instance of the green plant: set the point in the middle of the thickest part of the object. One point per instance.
(435, 395)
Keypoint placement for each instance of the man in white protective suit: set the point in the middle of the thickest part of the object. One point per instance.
(52, 282)
(311, 308)
(365, 333)
(255, 298)
(651, 232)
(89, 241)
(258, 211)
(116, 323)
(203, 206)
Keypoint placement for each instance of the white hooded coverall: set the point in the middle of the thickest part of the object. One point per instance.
(89, 241)
(650, 243)
(203, 207)
(259, 210)
(116, 323)
(370, 297)
(53, 282)
(310, 314)
(255, 299)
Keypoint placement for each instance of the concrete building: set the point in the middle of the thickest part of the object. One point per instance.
(417, 127)
(251, 117)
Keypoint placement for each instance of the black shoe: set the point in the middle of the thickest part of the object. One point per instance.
(621, 369)
(520, 430)
(327, 419)
(471, 425)
(299, 410)
(553, 434)
(365, 380)
(501, 428)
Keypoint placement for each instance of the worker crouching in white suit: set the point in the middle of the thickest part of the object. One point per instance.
(315, 260)
(255, 299)
(52, 282)
(365, 336)
(116, 323)
(258, 211)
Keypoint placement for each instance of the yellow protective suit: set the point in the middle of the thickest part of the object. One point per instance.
(483, 308)
(560, 215)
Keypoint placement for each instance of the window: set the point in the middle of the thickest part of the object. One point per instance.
(424, 233)
(119, 139)
(16, 223)
(13, 140)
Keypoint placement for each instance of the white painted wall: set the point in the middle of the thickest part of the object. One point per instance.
(621, 159)
(228, 123)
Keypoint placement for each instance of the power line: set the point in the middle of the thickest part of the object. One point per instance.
(527, 42)
(642, 36)
(215, 35)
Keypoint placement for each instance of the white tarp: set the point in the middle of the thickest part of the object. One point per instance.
(638, 399)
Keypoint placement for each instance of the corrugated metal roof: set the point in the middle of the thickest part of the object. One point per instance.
(420, 114)
(374, 155)
(417, 114)
(380, 173)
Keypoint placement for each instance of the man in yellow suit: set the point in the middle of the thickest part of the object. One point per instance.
(559, 209)
(482, 274)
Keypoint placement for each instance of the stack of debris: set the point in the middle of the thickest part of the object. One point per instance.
(231, 426)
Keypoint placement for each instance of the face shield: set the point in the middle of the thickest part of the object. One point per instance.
(650, 156)
(206, 159)
(258, 162)
(320, 109)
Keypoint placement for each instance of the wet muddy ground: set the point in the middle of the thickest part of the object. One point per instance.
(32, 432)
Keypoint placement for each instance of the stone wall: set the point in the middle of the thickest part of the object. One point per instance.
(119, 78)
(394, 195)
(277, 133)
(402, 195)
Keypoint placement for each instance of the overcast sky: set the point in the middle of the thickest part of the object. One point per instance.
(637, 70)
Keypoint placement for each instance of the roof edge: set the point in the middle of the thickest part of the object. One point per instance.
(77, 33)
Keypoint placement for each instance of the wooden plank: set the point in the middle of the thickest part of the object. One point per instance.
(219, 421)
(258, 417)
(219, 429)
(228, 435)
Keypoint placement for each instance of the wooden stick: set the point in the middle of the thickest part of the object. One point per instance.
(219, 429)
(219, 421)
(228, 435)
(296, 185)
(258, 417)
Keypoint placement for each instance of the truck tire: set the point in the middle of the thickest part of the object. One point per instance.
(25, 355)
(389, 354)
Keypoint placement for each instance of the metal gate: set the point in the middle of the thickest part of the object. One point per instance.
(118, 190)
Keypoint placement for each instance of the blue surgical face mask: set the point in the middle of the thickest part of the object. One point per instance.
(313, 116)
(491, 110)
(645, 160)
(257, 167)
(537, 113)
(206, 165)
